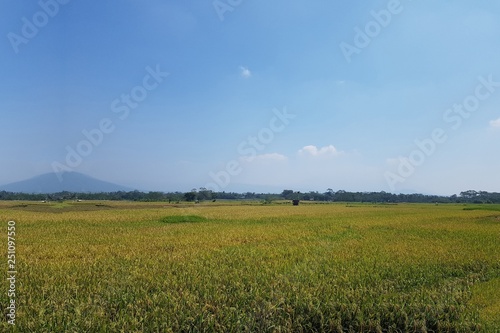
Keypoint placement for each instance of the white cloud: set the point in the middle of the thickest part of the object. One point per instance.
(323, 151)
(245, 72)
(495, 123)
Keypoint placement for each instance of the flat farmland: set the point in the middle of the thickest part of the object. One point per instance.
(249, 267)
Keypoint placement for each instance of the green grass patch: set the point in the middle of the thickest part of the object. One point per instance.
(495, 208)
(183, 219)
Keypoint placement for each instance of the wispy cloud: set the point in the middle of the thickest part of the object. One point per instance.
(245, 72)
(495, 123)
(316, 152)
(265, 157)
(393, 162)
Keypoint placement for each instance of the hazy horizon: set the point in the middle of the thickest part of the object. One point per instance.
(392, 96)
(62, 178)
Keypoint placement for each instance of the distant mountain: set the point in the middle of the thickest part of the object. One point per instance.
(71, 182)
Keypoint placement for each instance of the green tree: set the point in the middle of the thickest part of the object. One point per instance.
(204, 194)
(190, 196)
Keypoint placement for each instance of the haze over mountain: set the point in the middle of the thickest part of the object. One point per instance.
(67, 181)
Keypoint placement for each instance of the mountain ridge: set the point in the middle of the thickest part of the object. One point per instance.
(66, 181)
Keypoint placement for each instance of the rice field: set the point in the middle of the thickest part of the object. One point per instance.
(248, 267)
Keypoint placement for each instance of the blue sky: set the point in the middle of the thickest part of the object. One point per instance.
(253, 95)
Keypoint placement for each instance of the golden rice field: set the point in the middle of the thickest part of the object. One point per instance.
(212, 267)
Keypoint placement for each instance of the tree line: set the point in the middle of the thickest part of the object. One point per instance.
(203, 194)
